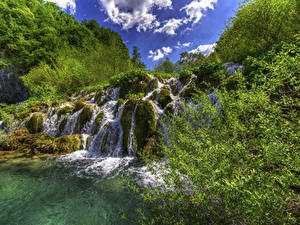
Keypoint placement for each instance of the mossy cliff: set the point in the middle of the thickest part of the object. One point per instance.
(35, 123)
(24, 141)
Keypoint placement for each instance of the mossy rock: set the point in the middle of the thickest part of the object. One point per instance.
(63, 124)
(98, 122)
(152, 85)
(174, 87)
(120, 102)
(133, 84)
(39, 107)
(145, 126)
(63, 111)
(67, 144)
(23, 141)
(185, 76)
(35, 123)
(164, 97)
(78, 105)
(189, 91)
(83, 118)
(126, 122)
(154, 96)
(98, 96)
(169, 110)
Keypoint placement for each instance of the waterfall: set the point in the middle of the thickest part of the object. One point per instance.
(132, 145)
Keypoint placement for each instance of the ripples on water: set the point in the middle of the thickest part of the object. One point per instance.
(73, 189)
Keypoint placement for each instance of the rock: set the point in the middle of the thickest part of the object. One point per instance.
(185, 76)
(145, 126)
(83, 118)
(152, 85)
(63, 111)
(232, 67)
(164, 97)
(12, 89)
(78, 105)
(23, 141)
(126, 123)
(98, 122)
(35, 123)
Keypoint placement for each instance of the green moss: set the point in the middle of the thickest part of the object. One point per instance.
(78, 105)
(66, 144)
(98, 96)
(63, 124)
(185, 76)
(145, 126)
(83, 118)
(39, 107)
(63, 111)
(189, 92)
(98, 122)
(35, 123)
(164, 97)
(152, 85)
(126, 122)
(154, 96)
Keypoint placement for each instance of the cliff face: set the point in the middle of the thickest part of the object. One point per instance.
(12, 89)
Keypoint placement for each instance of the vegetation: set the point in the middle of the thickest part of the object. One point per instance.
(165, 66)
(58, 52)
(258, 25)
(235, 164)
(136, 59)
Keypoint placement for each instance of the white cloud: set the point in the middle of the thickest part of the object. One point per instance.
(65, 4)
(195, 10)
(130, 13)
(170, 26)
(204, 49)
(184, 45)
(160, 53)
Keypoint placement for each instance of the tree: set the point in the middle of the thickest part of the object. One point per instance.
(190, 60)
(136, 59)
(165, 66)
(258, 25)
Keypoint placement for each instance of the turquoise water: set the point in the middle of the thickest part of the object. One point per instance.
(49, 191)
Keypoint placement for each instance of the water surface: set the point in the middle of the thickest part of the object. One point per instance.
(61, 191)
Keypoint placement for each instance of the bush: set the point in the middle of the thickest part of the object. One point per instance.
(235, 164)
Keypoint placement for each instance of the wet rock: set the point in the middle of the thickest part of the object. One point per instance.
(164, 97)
(98, 122)
(185, 76)
(35, 123)
(12, 89)
(145, 126)
(84, 117)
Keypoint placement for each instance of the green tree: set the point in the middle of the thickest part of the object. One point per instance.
(258, 25)
(165, 66)
(136, 59)
(190, 60)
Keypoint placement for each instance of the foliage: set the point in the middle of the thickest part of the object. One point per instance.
(136, 59)
(190, 60)
(58, 51)
(165, 66)
(258, 25)
(235, 164)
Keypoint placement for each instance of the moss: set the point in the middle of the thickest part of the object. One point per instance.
(145, 126)
(126, 122)
(23, 141)
(39, 107)
(169, 110)
(35, 123)
(66, 144)
(174, 87)
(63, 124)
(152, 85)
(63, 111)
(120, 102)
(185, 76)
(78, 105)
(98, 96)
(154, 96)
(164, 97)
(189, 92)
(83, 118)
(98, 122)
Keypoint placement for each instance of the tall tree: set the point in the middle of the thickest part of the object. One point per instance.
(165, 66)
(136, 59)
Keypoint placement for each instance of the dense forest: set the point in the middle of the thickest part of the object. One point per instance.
(236, 162)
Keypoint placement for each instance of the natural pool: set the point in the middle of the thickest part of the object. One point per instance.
(66, 190)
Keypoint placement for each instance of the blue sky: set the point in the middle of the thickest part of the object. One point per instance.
(159, 28)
